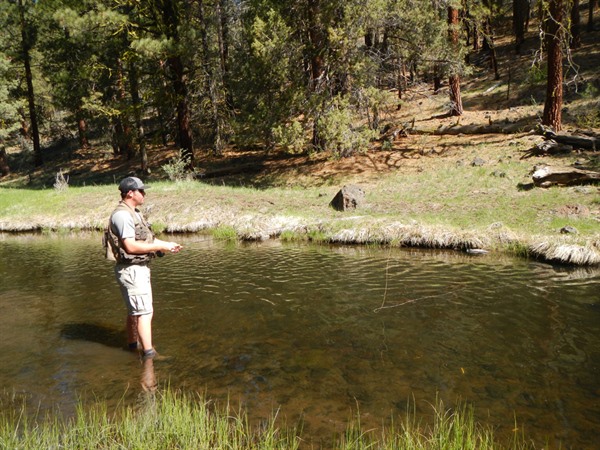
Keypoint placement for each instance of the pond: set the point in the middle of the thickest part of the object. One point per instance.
(318, 333)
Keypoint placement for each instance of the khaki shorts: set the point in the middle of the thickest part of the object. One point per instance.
(134, 281)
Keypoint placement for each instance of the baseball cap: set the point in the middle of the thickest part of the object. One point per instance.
(131, 184)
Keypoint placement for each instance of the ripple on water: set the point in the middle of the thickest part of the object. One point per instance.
(316, 331)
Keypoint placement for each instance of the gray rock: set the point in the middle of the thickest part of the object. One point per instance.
(350, 196)
(478, 162)
(569, 230)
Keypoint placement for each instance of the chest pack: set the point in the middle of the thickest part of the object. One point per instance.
(113, 247)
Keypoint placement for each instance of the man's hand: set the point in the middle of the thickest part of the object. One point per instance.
(174, 247)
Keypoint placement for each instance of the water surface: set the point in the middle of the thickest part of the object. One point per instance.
(317, 332)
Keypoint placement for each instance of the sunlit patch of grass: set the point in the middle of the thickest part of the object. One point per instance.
(518, 249)
(452, 429)
(165, 420)
(224, 233)
(169, 419)
(317, 236)
(293, 236)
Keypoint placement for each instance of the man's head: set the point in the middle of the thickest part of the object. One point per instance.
(130, 186)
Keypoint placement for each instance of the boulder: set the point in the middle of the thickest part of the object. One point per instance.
(350, 196)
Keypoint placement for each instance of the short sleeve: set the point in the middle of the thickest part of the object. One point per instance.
(123, 225)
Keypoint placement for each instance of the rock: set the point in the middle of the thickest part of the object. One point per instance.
(478, 162)
(569, 230)
(477, 251)
(350, 196)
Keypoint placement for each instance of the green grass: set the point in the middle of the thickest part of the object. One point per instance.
(177, 420)
(225, 233)
(453, 206)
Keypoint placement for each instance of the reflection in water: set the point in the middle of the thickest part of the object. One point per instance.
(148, 380)
(313, 331)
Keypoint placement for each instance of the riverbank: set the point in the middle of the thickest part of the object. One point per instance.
(466, 194)
(454, 184)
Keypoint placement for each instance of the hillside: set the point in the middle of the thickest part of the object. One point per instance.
(458, 182)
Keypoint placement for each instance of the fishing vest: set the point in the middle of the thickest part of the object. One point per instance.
(113, 246)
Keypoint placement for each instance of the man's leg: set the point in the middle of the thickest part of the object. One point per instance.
(144, 329)
(132, 332)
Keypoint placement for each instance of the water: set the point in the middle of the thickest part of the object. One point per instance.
(315, 332)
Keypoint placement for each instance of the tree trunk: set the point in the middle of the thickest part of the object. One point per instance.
(489, 39)
(25, 49)
(137, 114)
(4, 168)
(454, 79)
(316, 36)
(214, 73)
(175, 63)
(184, 129)
(124, 137)
(476, 45)
(82, 131)
(117, 136)
(554, 88)
(437, 79)
(520, 17)
(224, 42)
(317, 42)
(575, 25)
(590, 24)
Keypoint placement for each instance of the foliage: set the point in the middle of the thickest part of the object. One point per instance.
(267, 83)
(176, 169)
(290, 136)
(225, 233)
(340, 132)
(61, 182)
(262, 72)
(536, 74)
(9, 105)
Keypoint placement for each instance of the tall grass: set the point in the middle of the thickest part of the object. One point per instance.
(176, 420)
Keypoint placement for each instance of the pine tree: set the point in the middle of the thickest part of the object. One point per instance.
(27, 41)
(454, 79)
(555, 36)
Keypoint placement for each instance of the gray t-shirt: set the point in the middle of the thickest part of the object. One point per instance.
(123, 225)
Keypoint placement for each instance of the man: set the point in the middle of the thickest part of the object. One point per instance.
(133, 246)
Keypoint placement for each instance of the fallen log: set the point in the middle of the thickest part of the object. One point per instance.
(492, 128)
(581, 142)
(547, 176)
(546, 148)
(244, 169)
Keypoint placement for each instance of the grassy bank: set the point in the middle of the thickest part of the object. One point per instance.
(181, 421)
(433, 202)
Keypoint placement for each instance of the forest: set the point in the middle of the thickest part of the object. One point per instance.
(299, 76)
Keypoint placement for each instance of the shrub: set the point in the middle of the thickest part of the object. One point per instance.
(176, 168)
(290, 137)
(339, 130)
